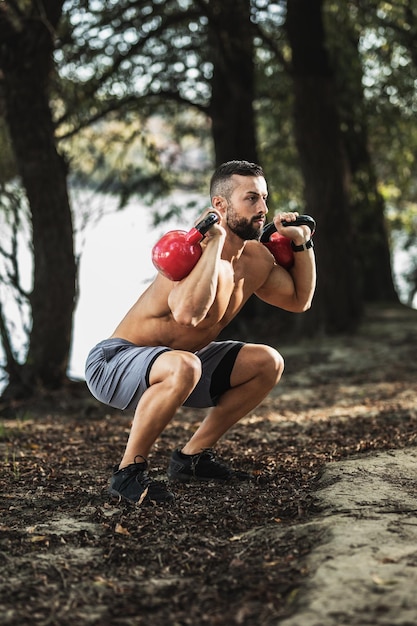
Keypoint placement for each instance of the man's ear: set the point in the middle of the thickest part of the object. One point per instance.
(219, 203)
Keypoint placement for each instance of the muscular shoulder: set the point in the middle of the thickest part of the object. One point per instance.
(256, 252)
(257, 264)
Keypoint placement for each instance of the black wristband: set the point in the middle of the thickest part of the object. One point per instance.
(304, 246)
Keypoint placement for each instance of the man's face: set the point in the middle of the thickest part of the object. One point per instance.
(246, 209)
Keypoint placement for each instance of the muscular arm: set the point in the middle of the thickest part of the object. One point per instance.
(292, 290)
(203, 291)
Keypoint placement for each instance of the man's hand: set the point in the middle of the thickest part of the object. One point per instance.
(298, 234)
(216, 230)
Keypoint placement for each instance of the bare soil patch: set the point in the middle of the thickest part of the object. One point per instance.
(230, 554)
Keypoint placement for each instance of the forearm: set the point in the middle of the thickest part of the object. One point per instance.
(191, 299)
(303, 274)
(291, 289)
(303, 271)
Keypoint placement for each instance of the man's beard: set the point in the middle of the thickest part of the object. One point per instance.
(242, 227)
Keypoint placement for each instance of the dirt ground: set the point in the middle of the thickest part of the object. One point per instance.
(324, 535)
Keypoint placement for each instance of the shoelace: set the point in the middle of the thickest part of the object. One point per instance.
(210, 454)
(144, 479)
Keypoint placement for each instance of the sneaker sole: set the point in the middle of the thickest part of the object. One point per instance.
(115, 494)
(186, 478)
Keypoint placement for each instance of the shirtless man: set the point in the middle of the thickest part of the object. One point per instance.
(163, 354)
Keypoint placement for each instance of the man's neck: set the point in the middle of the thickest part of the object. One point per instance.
(233, 247)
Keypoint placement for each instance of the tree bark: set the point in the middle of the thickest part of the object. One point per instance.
(367, 204)
(26, 64)
(231, 106)
(368, 210)
(233, 84)
(337, 305)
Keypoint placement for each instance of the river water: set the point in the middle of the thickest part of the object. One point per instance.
(115, 268)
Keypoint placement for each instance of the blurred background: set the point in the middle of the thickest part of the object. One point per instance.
(113, 116)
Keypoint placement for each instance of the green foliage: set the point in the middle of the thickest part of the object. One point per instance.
(131, 80)
(389, 58)
(120, 64)
(141, 157)
(116, 157)
(404, 219)
(124, 54)
(130, 74)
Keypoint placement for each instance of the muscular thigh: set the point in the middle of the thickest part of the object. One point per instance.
(217, 361)
(256, 360)
(175, 362)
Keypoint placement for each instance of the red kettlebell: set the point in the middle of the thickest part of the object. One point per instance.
(279, 245)
(177, 252)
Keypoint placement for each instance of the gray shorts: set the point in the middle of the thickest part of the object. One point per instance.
(117, 372)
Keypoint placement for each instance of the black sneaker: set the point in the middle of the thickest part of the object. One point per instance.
(201, 466)
(133, 483)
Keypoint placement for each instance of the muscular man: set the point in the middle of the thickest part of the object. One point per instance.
(163, 354)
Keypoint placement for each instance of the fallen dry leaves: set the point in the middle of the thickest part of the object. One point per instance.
(69, 556)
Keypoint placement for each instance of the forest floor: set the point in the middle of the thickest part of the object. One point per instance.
(324, 535)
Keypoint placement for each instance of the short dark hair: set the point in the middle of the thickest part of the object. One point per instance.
(221, 184)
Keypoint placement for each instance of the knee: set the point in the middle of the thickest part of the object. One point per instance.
(270, 364)
(274, 363)
(184, 370)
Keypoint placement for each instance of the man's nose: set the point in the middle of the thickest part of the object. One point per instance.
(263, 206)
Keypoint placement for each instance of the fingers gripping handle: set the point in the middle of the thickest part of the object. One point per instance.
(301, 220)
(197, 233)
(207, 223)
(279, 245)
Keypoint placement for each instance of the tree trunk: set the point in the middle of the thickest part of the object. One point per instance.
(367, 204)
(232, 84)
(337, 305)
(372, 244)
(231, 105)
(26, 62)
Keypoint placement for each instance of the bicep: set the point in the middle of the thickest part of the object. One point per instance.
(278, 289)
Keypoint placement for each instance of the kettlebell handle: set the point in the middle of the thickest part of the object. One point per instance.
(300, 220)
(199, 230)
